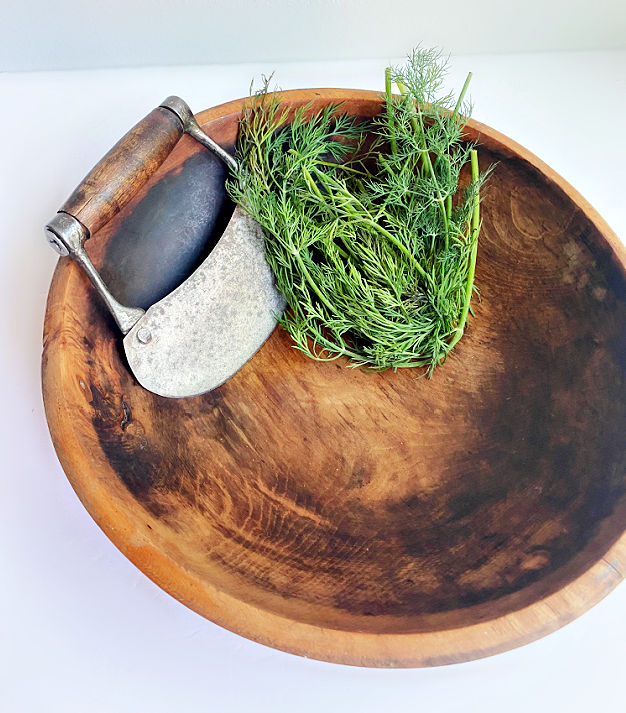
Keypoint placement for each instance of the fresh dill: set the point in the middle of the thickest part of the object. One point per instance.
(370, 239)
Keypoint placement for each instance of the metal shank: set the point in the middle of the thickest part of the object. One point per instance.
(67, 235)
(191, 127)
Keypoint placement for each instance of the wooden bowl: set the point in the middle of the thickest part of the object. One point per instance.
(376, 519)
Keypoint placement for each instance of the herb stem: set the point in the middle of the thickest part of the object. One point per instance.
(343, 167)
(459, 101)
(390, 118)
(416, 113)
(311, 281)
(311, 183)
(472, 261)
(368, 220)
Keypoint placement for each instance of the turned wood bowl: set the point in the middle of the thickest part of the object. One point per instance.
(374, 519)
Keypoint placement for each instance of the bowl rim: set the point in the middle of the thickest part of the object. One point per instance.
(347, 647)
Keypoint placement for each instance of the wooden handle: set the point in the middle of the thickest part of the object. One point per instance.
(126, 167)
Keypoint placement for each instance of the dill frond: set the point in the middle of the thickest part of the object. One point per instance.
(370, 241)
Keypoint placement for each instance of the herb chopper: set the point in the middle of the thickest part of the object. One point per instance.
(207, 328)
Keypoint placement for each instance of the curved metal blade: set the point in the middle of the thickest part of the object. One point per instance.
(206, 329)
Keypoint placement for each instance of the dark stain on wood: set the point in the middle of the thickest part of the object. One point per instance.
(531, 479)
(127, 415)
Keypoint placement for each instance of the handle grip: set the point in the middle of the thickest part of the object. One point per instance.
(124, 169)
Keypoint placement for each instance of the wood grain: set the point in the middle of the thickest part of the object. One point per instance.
(376, 519)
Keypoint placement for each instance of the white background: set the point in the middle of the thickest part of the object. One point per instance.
(80, 628)
(68, 34)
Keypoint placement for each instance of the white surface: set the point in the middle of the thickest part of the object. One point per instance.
(74, 34)
(80, 628)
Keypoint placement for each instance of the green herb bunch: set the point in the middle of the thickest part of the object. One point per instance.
(370, 239)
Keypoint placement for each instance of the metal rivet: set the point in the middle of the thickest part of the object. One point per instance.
(143, 335)
(56, 244)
